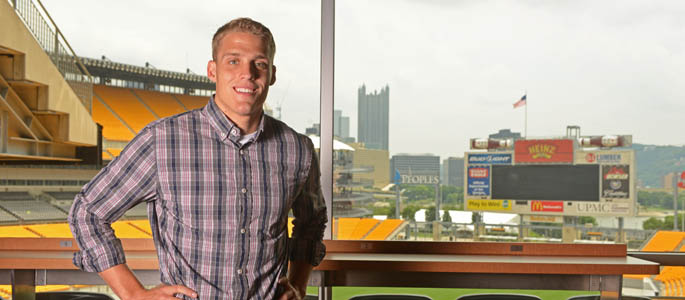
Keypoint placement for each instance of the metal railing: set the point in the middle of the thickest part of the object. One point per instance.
(50, 38)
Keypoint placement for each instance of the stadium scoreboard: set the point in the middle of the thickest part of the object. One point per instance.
(551, 177)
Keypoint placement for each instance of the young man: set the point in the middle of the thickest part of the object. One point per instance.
(219, 183)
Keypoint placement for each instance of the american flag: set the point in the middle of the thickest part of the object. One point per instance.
(521, 102)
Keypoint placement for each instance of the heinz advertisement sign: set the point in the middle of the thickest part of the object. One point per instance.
(543, 151)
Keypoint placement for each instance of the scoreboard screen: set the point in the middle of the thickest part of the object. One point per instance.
(546, 182)
(551, 177)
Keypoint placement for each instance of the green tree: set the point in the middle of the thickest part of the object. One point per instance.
(431, 214)
(391, 211)
(446, 216)
(657, 224)
(452, 194)
(419, 192)
(653, 224)
(587, 219)
(409, 211)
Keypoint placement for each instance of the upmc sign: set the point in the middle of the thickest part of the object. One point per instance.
(543, 151)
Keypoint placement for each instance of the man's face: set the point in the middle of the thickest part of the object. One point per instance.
(243, 73)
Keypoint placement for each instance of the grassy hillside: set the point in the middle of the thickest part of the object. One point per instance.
(653, 162)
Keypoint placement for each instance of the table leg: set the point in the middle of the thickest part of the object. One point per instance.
(610, 287)
(325, 293)
(24, 284)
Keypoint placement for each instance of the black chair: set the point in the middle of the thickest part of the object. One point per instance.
(596, 297)
(390, 297)
(498, 297)
(72, 296)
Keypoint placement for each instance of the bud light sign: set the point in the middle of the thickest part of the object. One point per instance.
(478, 181)
(490, 158)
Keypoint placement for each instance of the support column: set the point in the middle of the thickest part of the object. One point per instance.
(621, 238)
(568, 230)
(24, 284)
(327, 105)
(4, 130)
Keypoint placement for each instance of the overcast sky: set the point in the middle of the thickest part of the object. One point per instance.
(454, 67)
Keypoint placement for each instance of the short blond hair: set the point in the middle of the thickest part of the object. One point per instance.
(246, 25)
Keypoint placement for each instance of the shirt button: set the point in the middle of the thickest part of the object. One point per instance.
(240, 271)
(234, 132)
(244, 190)
(241, 151)
(242, 230)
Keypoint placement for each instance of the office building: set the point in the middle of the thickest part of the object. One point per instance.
(415, 164)
(373, 121)
(453, 171)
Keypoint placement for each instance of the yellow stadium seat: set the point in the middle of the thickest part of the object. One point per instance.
(363, 228)
(193, 102)
(164, 105)
(114, 152)
(6, 291)
(384, 230)
(125, 105)
(106, 156)
(346, 227)
(664, 241)
(60, 230)
(17, 231)
(122, 229)
(112, 128)
(142, 225)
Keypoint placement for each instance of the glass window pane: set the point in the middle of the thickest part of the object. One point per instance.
(581, 96)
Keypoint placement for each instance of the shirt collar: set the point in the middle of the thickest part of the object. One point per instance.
(223, 125)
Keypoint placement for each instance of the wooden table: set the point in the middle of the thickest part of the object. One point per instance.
(26, 263)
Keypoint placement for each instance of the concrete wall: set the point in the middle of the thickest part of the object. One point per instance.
(39, 68)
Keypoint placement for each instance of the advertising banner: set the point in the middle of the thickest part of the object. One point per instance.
(547, 206)
(478, 181)
(615, 181)
(543, 219)
(543, 151)
(497, 205)
(603, 157)
(490, 158)
(602, 208)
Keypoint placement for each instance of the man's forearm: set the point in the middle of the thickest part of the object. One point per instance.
(122, 281)
(298, 275)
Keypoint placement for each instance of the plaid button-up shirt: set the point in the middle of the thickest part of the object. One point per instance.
(218, 210)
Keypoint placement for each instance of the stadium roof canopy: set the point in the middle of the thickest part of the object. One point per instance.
(149, 76)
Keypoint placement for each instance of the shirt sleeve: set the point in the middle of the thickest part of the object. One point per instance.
(309, 210)
(126, 181)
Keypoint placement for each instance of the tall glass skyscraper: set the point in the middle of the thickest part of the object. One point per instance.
(373, 121)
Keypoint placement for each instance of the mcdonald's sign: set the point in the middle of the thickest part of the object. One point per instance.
(547, 206)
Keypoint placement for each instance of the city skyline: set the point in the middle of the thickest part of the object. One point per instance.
(456, 68)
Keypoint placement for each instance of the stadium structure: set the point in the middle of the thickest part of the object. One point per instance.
(64, 117)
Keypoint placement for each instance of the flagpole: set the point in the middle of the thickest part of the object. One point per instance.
(525, 126)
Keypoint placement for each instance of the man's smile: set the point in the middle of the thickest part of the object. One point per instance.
(244, 90)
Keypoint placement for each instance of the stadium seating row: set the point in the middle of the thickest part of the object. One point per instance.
(123, 112)
(672, 278)
(368, 229)
(20, 207)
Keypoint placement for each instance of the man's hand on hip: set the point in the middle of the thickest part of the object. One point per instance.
(163, 292)
(290, 292)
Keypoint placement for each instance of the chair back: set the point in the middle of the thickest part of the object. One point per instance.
(498, 297)
(72, 296)
(390, 297)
